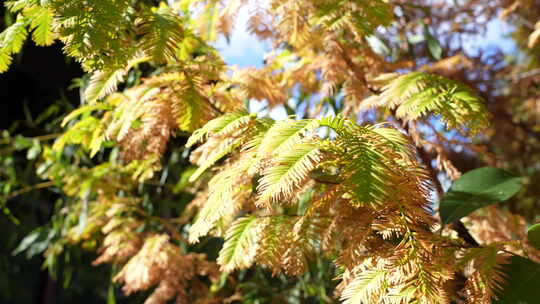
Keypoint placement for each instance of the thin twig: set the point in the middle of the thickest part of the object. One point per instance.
(172, 230)
(30, 188)
(47, 137)
(527, 74)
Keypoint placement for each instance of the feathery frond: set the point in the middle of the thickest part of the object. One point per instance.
(160, 263)
(362, 16)
(371, 156)
(96, 33)
(286, 249)
(88, 132)
(230, 190)
(11, 42)
(225, 124)
(17, 5)
(415, 94)
(283, 135)
(367, 287)
(162, 32)
(41, 24)
(487, 277)
(282, 193)
(292, 168)
(241, 243)
(104, 82)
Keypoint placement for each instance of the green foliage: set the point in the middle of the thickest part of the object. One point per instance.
(533, 235)
(370, 169)
(161, 161)
(240, 244)
(103, 35)
(284, 135)
(88, 132)
(90, 29)
(366, 16)
(11, 42)
(415, 94)
(103, 83)
(365, 287)
(293, 167)
(41, 24)
(476, 189)
(161, 32)
(223, 125)
(522, 275)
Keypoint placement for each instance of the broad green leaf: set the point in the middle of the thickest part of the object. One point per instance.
(111, 298)
(35, 242)
(433, 44)
(522, 277)
(34, 150)
(30, 239)
(533, 234)
(476, 189)
(378, 46)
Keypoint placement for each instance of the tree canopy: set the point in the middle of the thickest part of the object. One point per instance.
(403, 169)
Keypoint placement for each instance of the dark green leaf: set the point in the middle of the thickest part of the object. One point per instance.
(22, 142)
(433, 44)
(34, 151)
(476, 189)
(533, 234)
(522, 276)
(33, 239)
(111, 298)
(377, 45)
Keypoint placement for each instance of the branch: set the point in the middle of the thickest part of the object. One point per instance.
(527, 74)
(172, 230)
(29, 188)
(40, 138)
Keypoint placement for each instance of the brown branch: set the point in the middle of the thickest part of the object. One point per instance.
(47, 137)
(40, 138)
(172, 230)
(463, 233)
(29, 188)
(523, 75)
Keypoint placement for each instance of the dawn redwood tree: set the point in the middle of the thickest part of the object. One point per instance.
(165, 174)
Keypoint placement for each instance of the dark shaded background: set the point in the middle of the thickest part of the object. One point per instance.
(38, 78)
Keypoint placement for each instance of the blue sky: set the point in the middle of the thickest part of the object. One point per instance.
(244, 49)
